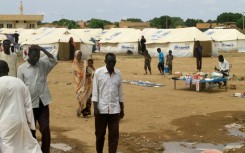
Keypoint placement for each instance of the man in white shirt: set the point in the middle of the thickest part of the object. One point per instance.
(16, 115)
(223, 67)
(9, 57)
(34, 74)
(107, 97)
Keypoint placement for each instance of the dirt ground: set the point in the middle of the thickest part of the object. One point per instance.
(152, 115)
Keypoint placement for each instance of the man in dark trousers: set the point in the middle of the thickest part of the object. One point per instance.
(198, 54)
(34, 74)
(160, 65)
(142, 43)
(107, 97)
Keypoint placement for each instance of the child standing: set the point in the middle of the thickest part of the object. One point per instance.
(169, 62)
(147, 61)
(89, 79)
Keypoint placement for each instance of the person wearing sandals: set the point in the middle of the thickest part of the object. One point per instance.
(83, 83)
(90, 72)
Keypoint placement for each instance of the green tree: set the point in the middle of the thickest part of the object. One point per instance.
(98, 23)
(70, 24)
(228, 17)
(192, 22)
(117, 24)
(239, 23)
(161, 22)
(134, 20)
(176, 21)
(211, 21)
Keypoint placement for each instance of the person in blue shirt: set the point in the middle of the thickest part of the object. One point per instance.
(161, 61)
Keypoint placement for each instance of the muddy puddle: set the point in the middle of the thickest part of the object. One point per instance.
(233, 129)
(187, 147)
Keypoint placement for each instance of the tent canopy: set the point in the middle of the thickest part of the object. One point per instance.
(224, 34)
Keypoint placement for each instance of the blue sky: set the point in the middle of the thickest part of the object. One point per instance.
(115, 10)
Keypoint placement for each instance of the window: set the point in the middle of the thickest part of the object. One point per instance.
(9, 26)
(32, 26)
(1, 25)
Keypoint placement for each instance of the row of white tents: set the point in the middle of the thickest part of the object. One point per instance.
(119, 40)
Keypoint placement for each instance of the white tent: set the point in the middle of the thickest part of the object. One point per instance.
(10, 31)
(56, 40)
(119, 40)
(227, 39)
(85, 37)
(2, 38)
(181, 41)
(94, 33)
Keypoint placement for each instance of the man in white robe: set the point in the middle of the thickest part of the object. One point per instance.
(16, 116)
(1, 143)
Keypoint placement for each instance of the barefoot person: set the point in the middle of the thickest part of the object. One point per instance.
(147, 65)
(169, 62)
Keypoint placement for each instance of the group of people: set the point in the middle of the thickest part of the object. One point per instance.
(224, 66)
(103, 87)
(161, 62)
(25, 99)
(160, 66)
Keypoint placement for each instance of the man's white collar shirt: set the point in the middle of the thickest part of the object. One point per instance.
(35, 78)
(107, 91)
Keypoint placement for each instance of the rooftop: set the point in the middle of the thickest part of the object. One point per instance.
(21, 17)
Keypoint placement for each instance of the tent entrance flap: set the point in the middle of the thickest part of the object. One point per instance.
(64, 51)
(206, 48)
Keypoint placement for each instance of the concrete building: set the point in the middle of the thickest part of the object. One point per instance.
(136, 25)
(225, 25)
(20, 21)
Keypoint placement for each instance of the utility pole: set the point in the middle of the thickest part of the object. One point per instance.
(243, 21)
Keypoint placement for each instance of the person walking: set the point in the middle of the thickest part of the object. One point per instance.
(107, 97)
(34, 74)
(83, 80)
(161, 61)
(16, 115)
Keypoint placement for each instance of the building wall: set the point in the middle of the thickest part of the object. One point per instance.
(110, 26)
(136, 25)
(82, 24)
(18, 24)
